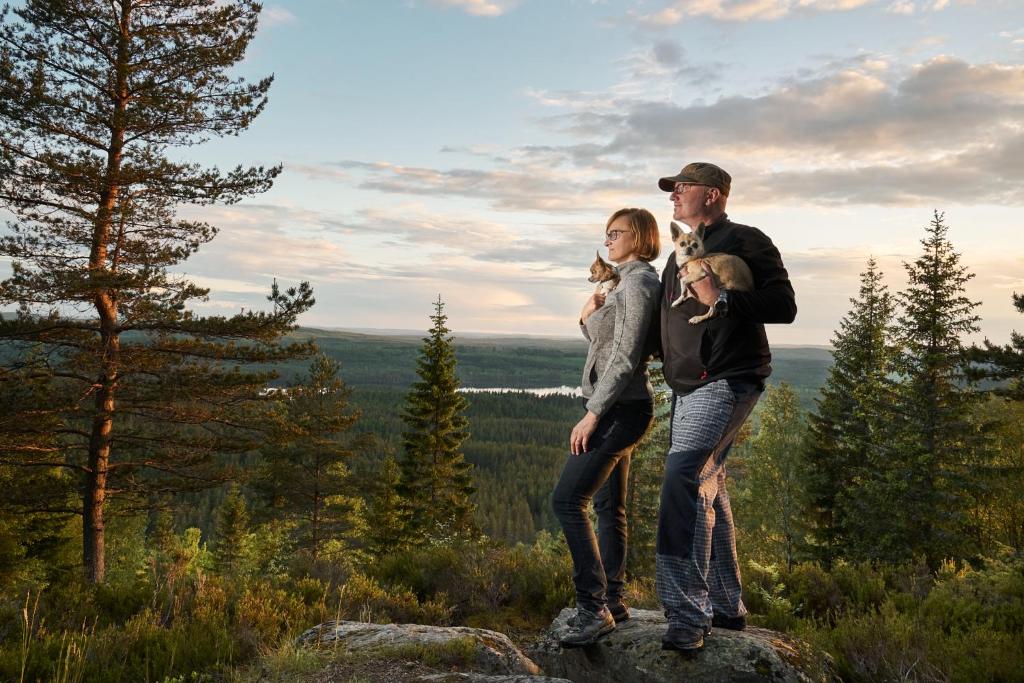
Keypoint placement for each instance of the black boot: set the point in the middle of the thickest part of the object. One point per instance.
(683, 639)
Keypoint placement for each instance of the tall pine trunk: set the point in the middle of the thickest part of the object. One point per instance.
(95, 495)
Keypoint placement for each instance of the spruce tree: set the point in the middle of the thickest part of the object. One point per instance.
(436, 482)
(846, 436)
(307, 480)
(233, 533)
(938, 455)
(387, 516)
(95, 95)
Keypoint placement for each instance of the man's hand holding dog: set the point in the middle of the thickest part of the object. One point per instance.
(705, 288)
(595, 302)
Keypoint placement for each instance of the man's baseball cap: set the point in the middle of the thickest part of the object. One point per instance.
(701, 173)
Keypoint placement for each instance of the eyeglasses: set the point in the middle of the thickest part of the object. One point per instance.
(680, 188)
(613, 235)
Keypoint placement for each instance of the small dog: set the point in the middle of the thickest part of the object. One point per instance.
(727, 271)
(603, 273)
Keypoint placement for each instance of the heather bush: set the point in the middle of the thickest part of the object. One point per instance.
(892, 622)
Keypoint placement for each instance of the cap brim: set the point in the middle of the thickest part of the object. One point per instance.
(669, 184)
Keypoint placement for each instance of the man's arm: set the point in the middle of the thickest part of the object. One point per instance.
(773, 299)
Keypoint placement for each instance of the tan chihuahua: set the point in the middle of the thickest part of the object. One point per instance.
(604, 275)
(726, 270)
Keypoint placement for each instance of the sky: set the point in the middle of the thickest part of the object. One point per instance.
(473, 149)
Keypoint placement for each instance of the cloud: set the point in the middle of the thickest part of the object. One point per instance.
(858, 130)
(538, 180)
(272, 16)
(944, 102)
(771, 10)
(480, 8)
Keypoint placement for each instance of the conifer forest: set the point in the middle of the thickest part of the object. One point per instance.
(184, 494)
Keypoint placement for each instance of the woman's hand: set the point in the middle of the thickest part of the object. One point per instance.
(595, 302)
(581, 433)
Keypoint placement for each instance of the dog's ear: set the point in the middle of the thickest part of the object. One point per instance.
(676, 232)
(699, 232)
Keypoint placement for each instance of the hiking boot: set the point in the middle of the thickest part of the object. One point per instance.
(588, 627)
(729, 623)
(619, 610)
(685, 639)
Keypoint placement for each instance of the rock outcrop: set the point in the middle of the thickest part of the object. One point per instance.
(476, 649)
(632, 652)
(484, 678)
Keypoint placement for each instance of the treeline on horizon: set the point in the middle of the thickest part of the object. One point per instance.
(164, 518)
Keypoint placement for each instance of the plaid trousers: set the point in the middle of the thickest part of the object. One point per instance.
(698, 574)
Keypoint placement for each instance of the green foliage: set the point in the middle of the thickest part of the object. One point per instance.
(436, 482)
(520, 588)
(891, 622)
(771, 491)
(95, 97)
(386, 515)
(307, 480)
(847, 437)
(938, 451)
(999, 514)
(363, 598)
(643, 497)
(450, 653)
(1002, 364)
(233, 534)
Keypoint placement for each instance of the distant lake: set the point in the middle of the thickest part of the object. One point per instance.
(575, 392)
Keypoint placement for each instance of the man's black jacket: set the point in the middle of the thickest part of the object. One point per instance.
(733, 346)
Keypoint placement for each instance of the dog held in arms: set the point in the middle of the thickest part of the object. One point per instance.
(604, 275)
(727, 271)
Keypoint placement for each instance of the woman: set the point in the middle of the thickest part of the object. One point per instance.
(619, 410)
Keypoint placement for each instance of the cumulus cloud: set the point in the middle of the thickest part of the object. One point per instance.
(859, 131)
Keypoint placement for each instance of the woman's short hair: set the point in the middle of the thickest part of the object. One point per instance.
(644, 229)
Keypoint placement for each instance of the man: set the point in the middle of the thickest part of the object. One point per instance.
(716, 370)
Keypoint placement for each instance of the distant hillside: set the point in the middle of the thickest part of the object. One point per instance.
(520, 362)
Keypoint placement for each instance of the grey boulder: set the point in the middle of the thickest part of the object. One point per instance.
(493, 653)
(632, 652)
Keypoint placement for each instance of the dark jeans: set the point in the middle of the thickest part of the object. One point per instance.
(601, 474)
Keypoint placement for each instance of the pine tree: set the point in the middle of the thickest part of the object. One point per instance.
(771, 492)
(938, 453)
(436, 482)
(94, 96)
(307, 480)
(847, 435)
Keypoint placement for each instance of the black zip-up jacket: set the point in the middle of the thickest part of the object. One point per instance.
(734, 346)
